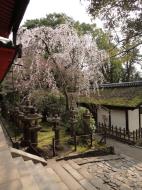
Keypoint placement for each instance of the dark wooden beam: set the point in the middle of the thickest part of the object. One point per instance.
(96, 117)
(127, 120)
(109, 118)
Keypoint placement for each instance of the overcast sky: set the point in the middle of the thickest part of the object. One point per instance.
(73, 8)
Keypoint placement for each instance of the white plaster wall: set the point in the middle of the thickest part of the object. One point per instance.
(103, 116)
(133, 119)
(118, 118)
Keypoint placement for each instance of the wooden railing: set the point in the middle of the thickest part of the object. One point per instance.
(119, 133)
(74, 141)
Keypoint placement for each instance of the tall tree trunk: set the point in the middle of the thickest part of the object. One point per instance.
(66, 98)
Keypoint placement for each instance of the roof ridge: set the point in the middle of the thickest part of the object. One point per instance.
(121, 84)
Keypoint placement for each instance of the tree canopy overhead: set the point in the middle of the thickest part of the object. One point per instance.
(55, 19)
(116, 68)
(51, 20)
(122, 15)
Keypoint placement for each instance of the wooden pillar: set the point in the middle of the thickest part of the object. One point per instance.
(75, 143)
(96, 117)
(127, 121)
(109, 118)
(53, 147)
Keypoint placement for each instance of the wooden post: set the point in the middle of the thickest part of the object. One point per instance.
(100, 126)
(128, 135)
(139, 131)
(112, 130)
(127, 121)
(109, 118)
(124, 131)
(96, 118)
(102, 129)
(53, 147)
(120, 132)
(105, 128)
(75, 143)
(136, 134)
(109, 131)
(116, 131)
(91, 138)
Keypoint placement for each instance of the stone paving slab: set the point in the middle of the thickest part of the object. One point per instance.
(85, 183)
(8, 172)
(29, 183)
(5, 156)
(98, 159)
(21, 166)
(53, 174)
(114, 174)
(12, 185)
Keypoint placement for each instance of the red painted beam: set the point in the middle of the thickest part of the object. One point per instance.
(7, 56)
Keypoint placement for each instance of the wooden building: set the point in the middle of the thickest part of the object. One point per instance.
(117, 104)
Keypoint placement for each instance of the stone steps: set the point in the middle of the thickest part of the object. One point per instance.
(45, 177)
(88, 173)
(85, 183)
(65, 176)
(74, 164)
(82, 161)
(26, 178)
(19, 174)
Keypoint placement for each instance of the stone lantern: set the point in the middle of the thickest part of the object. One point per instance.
(31, 127)
(86, 122)
(16, 116)
(73, 121)
(21, 118)
(56, 128)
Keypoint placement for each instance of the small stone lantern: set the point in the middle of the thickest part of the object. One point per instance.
(86, 122)
(16, 117)
(56, 128)
(73, 121)
(31, 127)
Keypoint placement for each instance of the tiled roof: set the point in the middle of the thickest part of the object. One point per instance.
(117, 95)
(11, 14)
(122, 84)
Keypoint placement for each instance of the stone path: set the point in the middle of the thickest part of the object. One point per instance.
(118, 174)
(111, 172)
(121, 148)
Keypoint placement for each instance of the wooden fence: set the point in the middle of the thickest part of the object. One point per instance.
(119, 133)
(74, 141)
